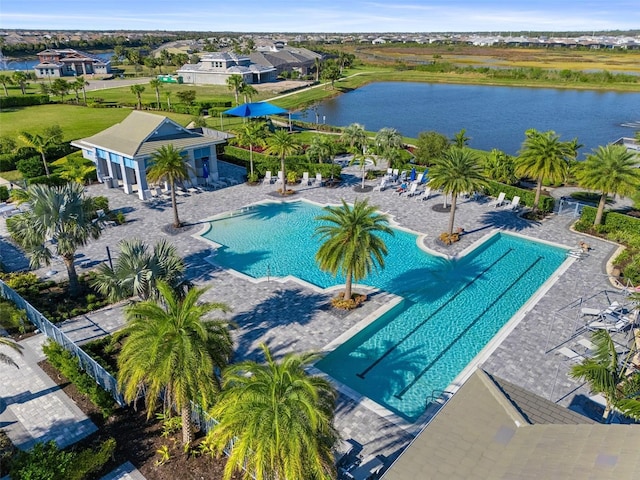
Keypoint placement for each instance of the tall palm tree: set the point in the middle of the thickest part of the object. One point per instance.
(610, 169)
(388, 142)
(171, 349)
(360, 157)
(354, 136)
(352, 245)
(40, 143)
(282, 144)
(251, 134)
(321, 148)
(544, 156)
(20, 78)
(5, 80)
(279, 418)
(606, 375)
(247, 91)
(60, 220)
(457, 171)
(168, 95)
(137, 91)
(6, 359)
(234, 82)
(79, 84)
(137, 271)
(156, 85)
(168, 165)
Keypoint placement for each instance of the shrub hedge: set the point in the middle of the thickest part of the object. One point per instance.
(611, 220)
(69, 366)
(526, 196)
(23, 101)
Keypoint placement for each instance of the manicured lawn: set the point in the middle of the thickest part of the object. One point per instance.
(76, 121)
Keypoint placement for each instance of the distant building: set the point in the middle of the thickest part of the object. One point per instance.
(284, 58)
(123, 151)
(69, 63)
(215, 68)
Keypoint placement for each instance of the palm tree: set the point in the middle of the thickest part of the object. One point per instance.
(138, 271)
(5, 80)
(168, 165)
(170, 349)
(234, 82)
(352, 243)
(40, 143)
(388, 142)
(137, 91)
(544, 156)
(168, 95)
(605, 374)
(78, 84)
(321, 148)
(457, 171)
(247, 91)
(74, 168)
(460, 139)
(156, 84)
(610, 169)
(317, 63)
(251, 134)
(6, 359)
(500, 167)
(282, 144)
(20, 78)
(279, 418)
(354, 136)
(60, 218)
(361, 157)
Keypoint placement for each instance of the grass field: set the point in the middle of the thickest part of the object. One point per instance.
(75, 121)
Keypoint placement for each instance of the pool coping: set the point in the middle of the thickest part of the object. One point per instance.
(418, 425)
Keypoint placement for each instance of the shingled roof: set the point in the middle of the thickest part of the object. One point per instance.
(493, 429)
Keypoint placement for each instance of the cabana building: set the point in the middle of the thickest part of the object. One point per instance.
(123, 152)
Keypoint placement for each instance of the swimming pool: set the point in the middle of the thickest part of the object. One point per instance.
(450, 309)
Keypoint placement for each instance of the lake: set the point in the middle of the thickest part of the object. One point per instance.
(494, 117)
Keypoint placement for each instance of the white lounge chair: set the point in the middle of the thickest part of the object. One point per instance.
(498, 201)
(267, 177)
(515, 203)
(305, 178)
(412, 189)
(389, 171)
(395, 172)
(420, 177)
(381, 186)
(427, 193)
(588, 344)
(280, 178)
(608, 326)
(613, 308)
(571, 355)
(319, 179)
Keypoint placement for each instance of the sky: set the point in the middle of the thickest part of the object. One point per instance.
(339, 16)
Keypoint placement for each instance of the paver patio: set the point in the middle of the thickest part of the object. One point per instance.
(291, 317)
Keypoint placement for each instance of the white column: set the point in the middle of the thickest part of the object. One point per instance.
(142, 179)
(193, 178)
(125, 178)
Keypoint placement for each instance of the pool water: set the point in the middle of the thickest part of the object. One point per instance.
(450, 310)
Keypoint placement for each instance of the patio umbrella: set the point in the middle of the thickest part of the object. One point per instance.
(257, 109)
(412, 175)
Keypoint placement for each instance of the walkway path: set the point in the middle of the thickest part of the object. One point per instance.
(291, 317)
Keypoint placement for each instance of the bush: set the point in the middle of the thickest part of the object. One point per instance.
(31, 167)
(23, 101)
(7, 162)
(348, 304)
(4, 193)
(69, 366)
(101, 203)
(47, 462)
(12, 318)
(53, 180)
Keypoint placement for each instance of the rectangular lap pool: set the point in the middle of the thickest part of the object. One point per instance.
(450, 310)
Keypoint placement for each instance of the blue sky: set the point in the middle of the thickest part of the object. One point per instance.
(323, 15)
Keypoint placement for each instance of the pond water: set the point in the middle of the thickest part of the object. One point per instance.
(494, 117)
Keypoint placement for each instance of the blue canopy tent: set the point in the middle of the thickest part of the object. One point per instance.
(258, 109)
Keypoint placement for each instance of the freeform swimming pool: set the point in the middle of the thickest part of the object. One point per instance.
(450, 310)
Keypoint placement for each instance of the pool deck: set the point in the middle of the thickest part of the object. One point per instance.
(289, 316)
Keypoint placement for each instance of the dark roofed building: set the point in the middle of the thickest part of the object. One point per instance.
(215, 68)
(285, 58)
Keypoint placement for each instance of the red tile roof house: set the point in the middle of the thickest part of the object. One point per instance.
(69, 63)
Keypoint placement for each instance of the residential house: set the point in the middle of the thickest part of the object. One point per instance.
(123, 151)
(215, 68)
(69, 63)
(285, 58)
